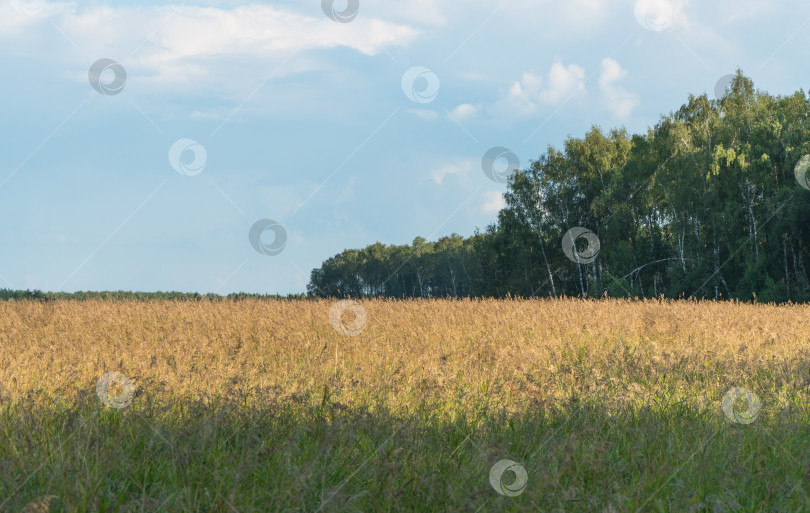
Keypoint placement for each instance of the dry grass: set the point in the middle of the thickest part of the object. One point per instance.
(480, 364)
(520, 352)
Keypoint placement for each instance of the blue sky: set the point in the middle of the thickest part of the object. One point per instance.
(305, 121)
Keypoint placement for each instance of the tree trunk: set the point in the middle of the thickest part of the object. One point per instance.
(787, 275)
(716, 251)
(452, 279)
(579, 268)
(652, 249)
(548, 268)
(754, 228)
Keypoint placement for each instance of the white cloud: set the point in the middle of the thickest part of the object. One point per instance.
(493, 201)
(464, 111)
(735, 10)
(533, 89)
(183, 44)
(653, 15)
(618, 100)
(422, 12)
(460, 167)
(426, 114)
(208, 115)
(563, 81)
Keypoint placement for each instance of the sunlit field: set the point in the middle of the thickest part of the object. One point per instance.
(418, 405)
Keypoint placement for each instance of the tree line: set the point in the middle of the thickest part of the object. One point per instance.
(711, 202)
(120, 295)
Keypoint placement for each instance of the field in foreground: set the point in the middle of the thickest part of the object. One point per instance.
(538, 405)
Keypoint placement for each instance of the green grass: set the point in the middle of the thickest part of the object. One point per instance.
(668, 454)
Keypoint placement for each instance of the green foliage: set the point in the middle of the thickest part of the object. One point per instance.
(422, 269)
(221, 455)
(38, 295)
(705, 204)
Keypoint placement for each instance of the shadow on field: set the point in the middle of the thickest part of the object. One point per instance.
(164, 453)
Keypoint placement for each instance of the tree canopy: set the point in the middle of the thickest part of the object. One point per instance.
(712, 202)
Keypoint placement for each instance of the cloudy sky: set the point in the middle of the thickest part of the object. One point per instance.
(143, 142)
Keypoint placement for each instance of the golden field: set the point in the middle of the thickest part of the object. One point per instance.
(273, 405)
(514, 352)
